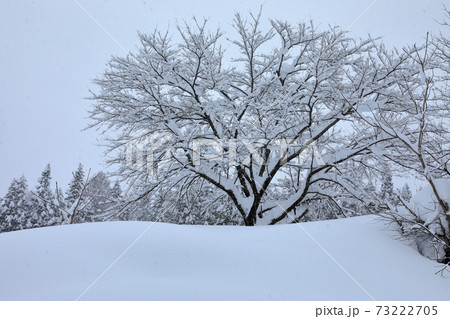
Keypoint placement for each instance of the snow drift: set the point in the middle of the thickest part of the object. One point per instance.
(173, 262)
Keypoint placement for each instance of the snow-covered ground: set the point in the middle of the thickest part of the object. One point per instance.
(174, 262)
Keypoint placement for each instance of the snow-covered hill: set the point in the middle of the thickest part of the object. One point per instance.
(174, 262)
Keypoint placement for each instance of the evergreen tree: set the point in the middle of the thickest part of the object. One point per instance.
(45, 201)
(406, 192)
(2, 216)
(116, 192)
(75, 186)
(60, 206)
(98, 193)
(387, 186)
(16, 206)
(116, 199)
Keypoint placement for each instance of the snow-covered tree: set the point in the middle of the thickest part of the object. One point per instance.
(16, 207)
(44, 206)
(116, 192)
(118, 200)
(60, 204)
(291, 84)
(387, 186)
(405, 193)
(417, 122)
(75, 186)
(87, 199)
(3, 216)
(98, 196)
(196, 205)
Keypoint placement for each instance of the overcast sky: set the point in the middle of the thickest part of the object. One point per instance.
(51, 50)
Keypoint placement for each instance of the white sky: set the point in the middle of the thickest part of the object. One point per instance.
(51, 50)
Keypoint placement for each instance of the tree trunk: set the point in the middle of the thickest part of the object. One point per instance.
(249, 221)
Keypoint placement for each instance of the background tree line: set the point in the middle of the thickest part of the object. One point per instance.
(85, 200)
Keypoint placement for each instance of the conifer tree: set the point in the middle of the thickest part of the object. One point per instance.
(406, 192)
(16, 206)
(98, 193)
(60, 206)
(75, 186)
(387, 186)
(2, 216)
(116, 192)
(45, 201)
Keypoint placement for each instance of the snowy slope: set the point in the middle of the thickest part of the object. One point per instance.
(174, 262)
